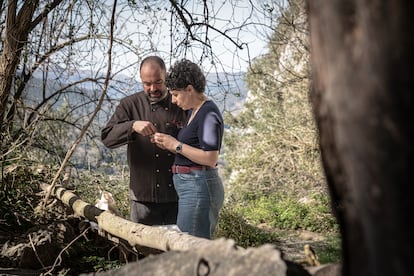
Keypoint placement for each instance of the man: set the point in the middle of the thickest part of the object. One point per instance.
(153, 198)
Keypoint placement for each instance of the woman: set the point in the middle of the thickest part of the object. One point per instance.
(199, 187)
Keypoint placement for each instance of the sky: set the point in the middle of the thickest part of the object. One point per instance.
(229, 16)
(225, 50)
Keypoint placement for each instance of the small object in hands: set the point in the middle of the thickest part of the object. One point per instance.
(310, 254)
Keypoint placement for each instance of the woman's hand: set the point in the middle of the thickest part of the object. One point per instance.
(165, 141)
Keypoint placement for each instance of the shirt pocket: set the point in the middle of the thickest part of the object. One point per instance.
(172, 127)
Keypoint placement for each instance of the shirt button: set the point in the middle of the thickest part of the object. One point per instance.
(169, 154)
(153, 110)
(155, 124)
(170, 185)
(157, 155)
(158, 185)
(166, 108)
(158, 170)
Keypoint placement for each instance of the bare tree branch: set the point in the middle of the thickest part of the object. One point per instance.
(50, 7)
(72, 149)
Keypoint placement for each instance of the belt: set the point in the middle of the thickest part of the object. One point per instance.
(186, 169)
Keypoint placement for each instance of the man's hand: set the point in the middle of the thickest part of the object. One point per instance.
(144, 128)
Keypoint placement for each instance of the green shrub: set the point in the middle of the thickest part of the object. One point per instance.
(89, 184)
(100, 263)
(20, 195)
(233, 226)
(287, 212)
(330, 250)
(276, 220)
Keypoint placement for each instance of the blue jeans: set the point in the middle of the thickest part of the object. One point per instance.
(200, 198)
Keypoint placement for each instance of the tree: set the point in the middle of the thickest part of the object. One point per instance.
(59, 53)
(28, 50)
(272, 143)
(362, 94)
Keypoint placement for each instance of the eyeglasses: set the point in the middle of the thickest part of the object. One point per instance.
(150, 83)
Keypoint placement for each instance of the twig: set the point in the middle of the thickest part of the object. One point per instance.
(35, 251)
(59, 257)
(98, 107)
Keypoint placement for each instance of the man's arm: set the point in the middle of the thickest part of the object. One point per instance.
(121, 128)
(118, 131)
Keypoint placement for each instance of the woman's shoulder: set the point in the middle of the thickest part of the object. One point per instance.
(211, 105)
(210, 108)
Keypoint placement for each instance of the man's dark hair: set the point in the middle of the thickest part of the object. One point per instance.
(184, 73)
(154, 59)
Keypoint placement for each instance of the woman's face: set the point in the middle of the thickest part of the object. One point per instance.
(182, 97)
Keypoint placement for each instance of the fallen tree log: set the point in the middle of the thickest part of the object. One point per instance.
(218, 257)
(135, 233)
(185, 254)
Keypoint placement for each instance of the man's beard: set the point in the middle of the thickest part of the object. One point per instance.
(156, 96)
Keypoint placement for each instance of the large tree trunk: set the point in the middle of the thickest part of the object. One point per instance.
(363, 97)
(18, 26)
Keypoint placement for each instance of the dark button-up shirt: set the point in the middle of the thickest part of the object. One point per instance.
(150, 166)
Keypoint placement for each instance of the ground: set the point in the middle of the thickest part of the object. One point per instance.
(290, 243)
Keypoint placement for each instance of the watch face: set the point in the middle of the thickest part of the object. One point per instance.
(178, 148)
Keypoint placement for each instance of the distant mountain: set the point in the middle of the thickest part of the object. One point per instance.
(76, 103)
(227, 90)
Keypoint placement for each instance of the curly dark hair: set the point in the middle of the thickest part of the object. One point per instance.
(184, 73)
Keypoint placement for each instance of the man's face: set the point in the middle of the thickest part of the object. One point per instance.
(153, 81)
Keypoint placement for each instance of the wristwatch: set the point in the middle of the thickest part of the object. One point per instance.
(179, 147)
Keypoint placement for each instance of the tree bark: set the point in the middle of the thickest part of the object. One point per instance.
(18, 26)
(363, 99)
